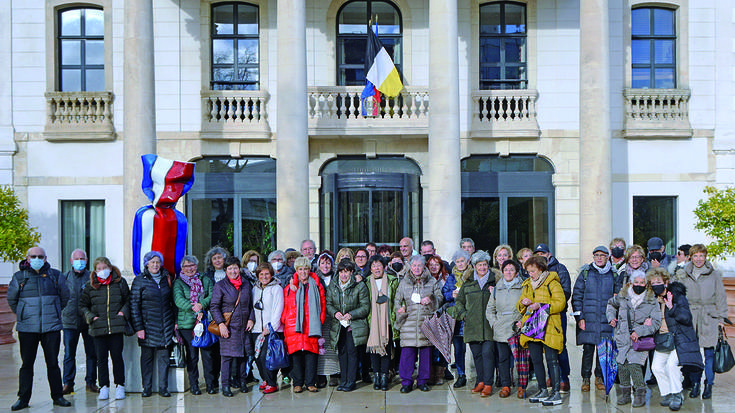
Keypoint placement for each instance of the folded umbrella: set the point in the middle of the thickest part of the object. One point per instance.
(439, 330)
(607, 353)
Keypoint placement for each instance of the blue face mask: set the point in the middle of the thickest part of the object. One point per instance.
(37, 263)
(79, 265)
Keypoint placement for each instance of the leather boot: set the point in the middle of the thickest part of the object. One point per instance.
(376, 381)
(586, 384)
(623, 394)
(639, 399)
(384, 381)
(695, 390)
(707, 392)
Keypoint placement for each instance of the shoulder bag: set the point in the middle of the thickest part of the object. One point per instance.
(213, 327)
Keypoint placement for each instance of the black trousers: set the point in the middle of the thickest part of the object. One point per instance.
(483, 352)
(270, 376)
(191, 355)
(381, 364)
(51, 344)
(111, 344)
(234, 368)
(347, 356)
(304, 368)
(537, 350)
(150, 357)
(396, 362)
(588, 357)
(504, 356)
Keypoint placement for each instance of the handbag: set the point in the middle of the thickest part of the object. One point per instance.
(535, 326)
(276, 357)
(176, 358)
(643, 343)
(664, 342)
(724, 360)
(206, 339)
(213, 327)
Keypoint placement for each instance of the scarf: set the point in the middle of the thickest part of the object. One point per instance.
(696, 272)
(635, 299)
(482, 280)
(156, 277)
(195, 286)
(343, 285)
(540, 280)
(664, 328)
(105, 281)
(511, 283)
(604, 269)
(219, 275)
(314, 302)
(379, 333)
(462, 276)
(237, 282)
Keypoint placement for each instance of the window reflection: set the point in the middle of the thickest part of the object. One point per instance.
(81, 50)
(235, 47)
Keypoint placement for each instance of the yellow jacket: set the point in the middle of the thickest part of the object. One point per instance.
(549, 292)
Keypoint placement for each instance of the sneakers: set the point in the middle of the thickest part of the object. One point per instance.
(666, 400)
(554, 399)
(269, 389)
(538, 397)
(262, 385)
(677, 399)
(119, 392)
(104, 393)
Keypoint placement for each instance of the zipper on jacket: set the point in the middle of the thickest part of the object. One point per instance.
(109, 328)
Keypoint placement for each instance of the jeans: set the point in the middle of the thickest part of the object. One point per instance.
(150, 358)
(50, 343)
(709, 367)
(71, 339)
(304, 368)
(347, 356)
(408, 361)
(483, 352)
(665, 366)
(459, 353)
(111, 344)
(588, 357)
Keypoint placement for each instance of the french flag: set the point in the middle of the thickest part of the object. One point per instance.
(159, 226)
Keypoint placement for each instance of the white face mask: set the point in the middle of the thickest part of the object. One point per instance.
(251, 266)
(277, 266)
(104, 274)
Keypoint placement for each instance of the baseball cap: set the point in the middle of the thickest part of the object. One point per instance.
(542, 248)
(601, 248)
(655, 243)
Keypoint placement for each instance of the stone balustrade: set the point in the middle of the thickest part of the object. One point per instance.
(79, 116)
(337, 110)
(235, 113)
(504, 114)
(651, 113)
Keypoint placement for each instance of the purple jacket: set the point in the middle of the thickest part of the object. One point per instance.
(224, 297)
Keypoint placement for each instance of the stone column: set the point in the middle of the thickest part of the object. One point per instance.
(139, 110)
(443, 169)
(595, 179)
(292, 136)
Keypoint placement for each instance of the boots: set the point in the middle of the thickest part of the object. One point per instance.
(384, 381)
(623, 394)
(695, 390)
(639, 399)
(707, 392)
(432, 376)
(554, 398)
(376, 381)
(586, 384)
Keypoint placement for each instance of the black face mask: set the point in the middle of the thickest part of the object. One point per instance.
(618, 252)
(655, 255)
(658, 289)
(639, 289)
(397, 266)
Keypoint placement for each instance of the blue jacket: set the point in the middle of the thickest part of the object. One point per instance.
(564, 279)
(592, 290)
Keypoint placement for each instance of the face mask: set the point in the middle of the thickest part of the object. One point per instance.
(397, 266)
(79, 265)
(102, 275)
(639, 289)
(36, 263)
(656, 255)
(251, 266)
(277, 266)
(618, 252)
(658, 289)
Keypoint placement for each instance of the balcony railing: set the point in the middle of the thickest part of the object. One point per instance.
(235, 113)
(652, 113)
(337, 110)
(75, 116)
(504, 114)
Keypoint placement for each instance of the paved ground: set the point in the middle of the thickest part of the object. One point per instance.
(440, 399)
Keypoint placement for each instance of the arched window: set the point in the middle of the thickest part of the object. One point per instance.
(235, 48)
(352, 23)
(81, 49)
(653, 48)
(503, 40)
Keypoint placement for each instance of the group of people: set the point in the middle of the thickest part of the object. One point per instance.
(344, 315)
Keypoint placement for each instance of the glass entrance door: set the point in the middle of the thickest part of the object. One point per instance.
(369, 214)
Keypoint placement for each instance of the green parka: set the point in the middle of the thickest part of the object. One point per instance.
(353, 300)
(392, 288)
(470, 305)
(186, 318)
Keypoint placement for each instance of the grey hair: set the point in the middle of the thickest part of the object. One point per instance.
(308, 240)
(192, 259)
(277, 252)
(639, 273)
(415, 258)
(463, 240)
(211, 253)
(78, 250)
(461, 254)
(480, 256)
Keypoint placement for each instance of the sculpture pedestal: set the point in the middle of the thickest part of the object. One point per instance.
(178, 380)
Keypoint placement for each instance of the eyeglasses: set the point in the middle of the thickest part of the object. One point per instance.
(599, 255)
(36, 256)
(189, 266)
(360, 256)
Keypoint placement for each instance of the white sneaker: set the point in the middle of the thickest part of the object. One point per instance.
(104, 393)
(119, 392)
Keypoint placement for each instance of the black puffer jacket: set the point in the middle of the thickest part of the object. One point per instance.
(679, 323)
(564, 278)
(105, 302)
(152, 309)
(70, 316)
(37, 298)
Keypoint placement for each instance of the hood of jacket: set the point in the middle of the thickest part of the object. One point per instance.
(707, 270)
(500, 284)
(411, 279)
(114, 273)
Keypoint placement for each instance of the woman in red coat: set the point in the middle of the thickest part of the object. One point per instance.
(303, 314)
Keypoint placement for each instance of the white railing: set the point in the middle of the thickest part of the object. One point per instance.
(657, 113)
(504, 113)
(338, 110)
(235, 111)
(79, 116)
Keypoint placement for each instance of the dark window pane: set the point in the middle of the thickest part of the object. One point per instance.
(223, 74)
(641, 51)
(387, 215)
(352, 77)
(247, 51)
(94, 80)
(247, 20)
(515, 50)
(641, 78)
(94, 22)
(222, 51)
(71, 80)
(258, 224)
(353, 18)
(71, 51)
(71, 23)
(214, 219)
(490, 19)
(663, 22)
(354, 216)
(94, 52)
(514, 72)
(640, 22)
(528, 221)
(489, 73)
(663, 51)
(665, 78)
(515, 18)
(481, 221)
(489, 50)
(353, 51)
(223, 19)
(655, 216)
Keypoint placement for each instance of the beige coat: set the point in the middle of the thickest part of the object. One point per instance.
(707, 301)
(409, 322)
(501, 310)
